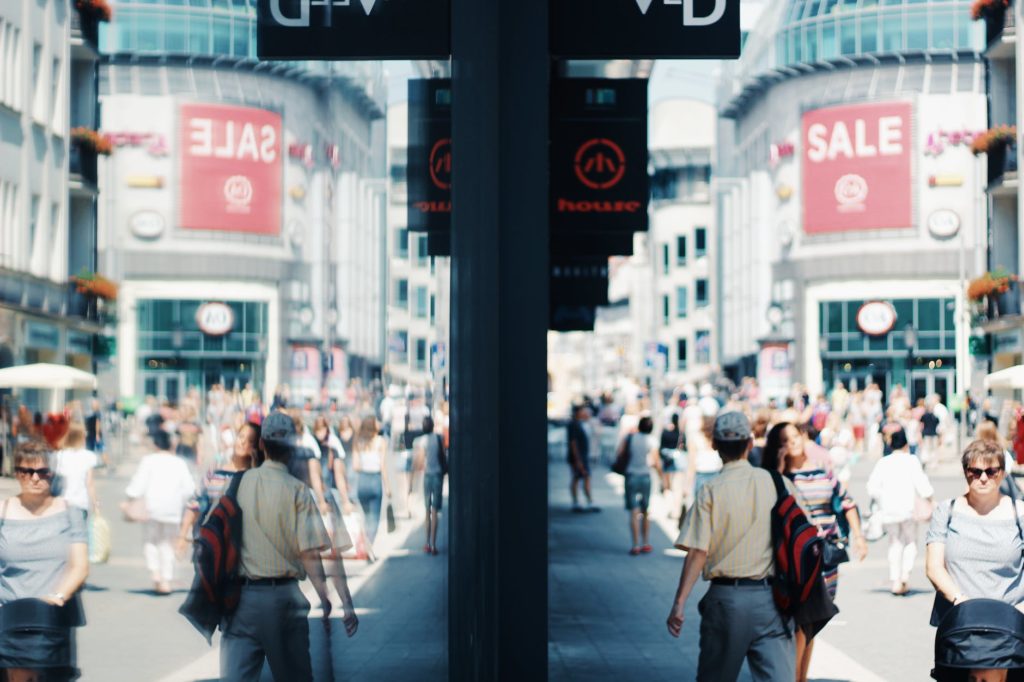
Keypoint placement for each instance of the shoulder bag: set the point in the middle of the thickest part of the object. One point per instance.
(623, 456)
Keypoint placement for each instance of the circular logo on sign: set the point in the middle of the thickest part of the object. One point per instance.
(441, 164)
(876, 318)
(600, 163)
(238, 192)
(215, 319)
(944, 223)
(851, 190)
(147, 224)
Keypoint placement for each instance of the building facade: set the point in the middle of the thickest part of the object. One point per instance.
(418, 284)
(849, 206)
(244, 209)
(48, 190)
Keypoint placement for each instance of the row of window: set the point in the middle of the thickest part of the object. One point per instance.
(424, 303)
(419, 244)
(701, 350)
(687, 184)
(181, 31)
(417, 352)
(933, 320)
(700, 249)
(10, 65)
(702, 300)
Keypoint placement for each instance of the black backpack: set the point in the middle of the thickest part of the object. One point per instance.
(797, 551)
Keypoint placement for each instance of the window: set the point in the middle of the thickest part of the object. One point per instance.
(702, 293)
(664, 259)
(681, 251)
(399, 346)
(666, 306)
(422, 259)
(56, 110)
(700, 242)
(702, 347)
(682, 302)
(402, 243)
(422, 303)
(33, 226)
(39, 94)
(681, 354)
(433, 308)
(402, 293)
(420, 358)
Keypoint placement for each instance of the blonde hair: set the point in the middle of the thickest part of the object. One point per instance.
(75, 437)
(988, 431)
(367, 432)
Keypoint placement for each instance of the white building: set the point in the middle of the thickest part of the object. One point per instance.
(47, 185)
(848, 196)
(418, 284)
(246, 211)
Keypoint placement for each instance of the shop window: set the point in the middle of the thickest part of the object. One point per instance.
(904, 311)
(835, 318)
(928, 315)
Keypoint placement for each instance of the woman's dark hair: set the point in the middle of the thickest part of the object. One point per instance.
(646, 425)
(675, 419)
(771, 457)
(428, 425)
(162, 439)
(898, 439)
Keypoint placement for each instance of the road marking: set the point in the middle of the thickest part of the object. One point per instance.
(207, 666)
(830, 663)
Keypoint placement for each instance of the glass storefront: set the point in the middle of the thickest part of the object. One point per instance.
(856, 359)
(174, 353)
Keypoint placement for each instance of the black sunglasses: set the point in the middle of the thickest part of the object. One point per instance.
(43, 472)
(975, 472)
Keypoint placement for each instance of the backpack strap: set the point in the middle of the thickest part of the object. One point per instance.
(442, 456)
(780, 487)
(949, 518)
(236, 480)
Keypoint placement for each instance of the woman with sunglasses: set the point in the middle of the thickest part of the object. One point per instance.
(975, 542)
(43, 563)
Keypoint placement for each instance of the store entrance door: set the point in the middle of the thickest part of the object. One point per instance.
(169, 386)
(925, 382)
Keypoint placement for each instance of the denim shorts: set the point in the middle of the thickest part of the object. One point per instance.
(638, 491)
(433, 486)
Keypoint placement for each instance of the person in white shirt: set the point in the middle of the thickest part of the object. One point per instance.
(895, 482)
(74, 466)
(163, 481)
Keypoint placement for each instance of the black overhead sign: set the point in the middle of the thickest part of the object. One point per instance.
(599, 179)
(429, 170)
(655, 29)
(579, 281)
(567, 318)
(353, 29)
(592, 244)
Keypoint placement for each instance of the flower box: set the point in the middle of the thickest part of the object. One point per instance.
(98, 10)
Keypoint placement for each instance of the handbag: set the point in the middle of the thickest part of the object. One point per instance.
(923, 509)
(834, 552)
(390, 514)
(99, 539)
(134, 510)
(622, 458)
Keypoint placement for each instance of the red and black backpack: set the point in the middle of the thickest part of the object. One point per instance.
(797, 552)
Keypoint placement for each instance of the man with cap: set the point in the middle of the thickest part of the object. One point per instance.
(282, 538)
(728, 538)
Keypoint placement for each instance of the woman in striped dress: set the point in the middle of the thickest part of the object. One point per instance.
(821, 495)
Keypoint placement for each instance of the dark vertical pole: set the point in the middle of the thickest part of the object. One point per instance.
(498, 522)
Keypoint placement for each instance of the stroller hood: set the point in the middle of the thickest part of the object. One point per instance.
(981, 633)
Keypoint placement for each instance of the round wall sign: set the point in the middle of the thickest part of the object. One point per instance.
(876, 318)
(215, 319)
(147, 224)
(944, 223)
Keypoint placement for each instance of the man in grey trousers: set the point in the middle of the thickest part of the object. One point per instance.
(727, 536)
(282, 537)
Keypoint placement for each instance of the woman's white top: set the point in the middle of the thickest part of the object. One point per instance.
(165, 483)
(73, 466)
(894, 482)
(370, 459)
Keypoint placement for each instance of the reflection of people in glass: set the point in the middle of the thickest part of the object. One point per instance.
(43, 562)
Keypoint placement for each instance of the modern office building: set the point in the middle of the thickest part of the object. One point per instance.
(849, 216)
(418, 284)
(48, 192)
(244, 208)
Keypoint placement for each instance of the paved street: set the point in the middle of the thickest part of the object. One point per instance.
(608, 609)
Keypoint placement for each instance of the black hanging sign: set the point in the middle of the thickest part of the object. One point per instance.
(353, 29)
(430, 155)
(567, 318)
(651, 29)
(599, 179)
(579, 281)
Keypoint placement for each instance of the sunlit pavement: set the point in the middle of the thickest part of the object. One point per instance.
(136, 636)
(608, 609)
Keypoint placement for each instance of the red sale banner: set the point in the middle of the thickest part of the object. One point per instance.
(230, 169)
(856, 168)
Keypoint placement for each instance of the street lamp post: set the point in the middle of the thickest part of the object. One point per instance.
(910, 341)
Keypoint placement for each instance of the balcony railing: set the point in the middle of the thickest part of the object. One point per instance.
(1002, 159)
(43, 296)
(83, 163)
(1007, 304)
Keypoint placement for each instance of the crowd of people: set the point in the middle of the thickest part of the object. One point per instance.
(310, 484)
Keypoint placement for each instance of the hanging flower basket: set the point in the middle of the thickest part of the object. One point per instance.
(994, 138)
(990, 284)
(988, 8)
(97, 285)
(92, 141)
(94, 9)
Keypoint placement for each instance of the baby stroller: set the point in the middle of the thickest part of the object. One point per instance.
(979, 634)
